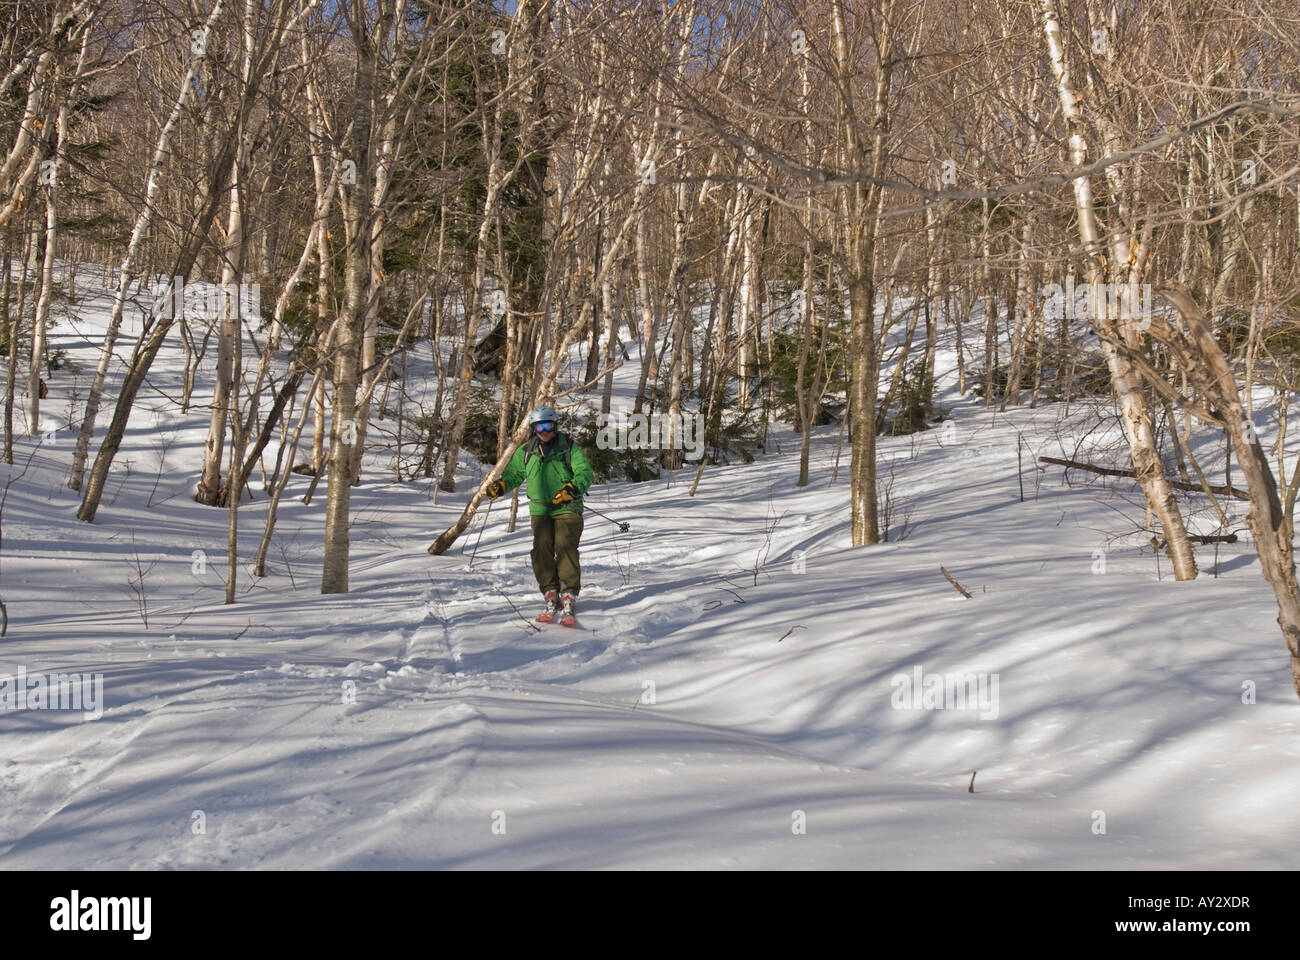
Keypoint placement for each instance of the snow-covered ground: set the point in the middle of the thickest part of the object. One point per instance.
(735, 696)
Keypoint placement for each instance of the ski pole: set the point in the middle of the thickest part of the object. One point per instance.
(621, 525)
(488, 514)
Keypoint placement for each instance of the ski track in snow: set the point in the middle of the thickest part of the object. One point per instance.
(731, 676)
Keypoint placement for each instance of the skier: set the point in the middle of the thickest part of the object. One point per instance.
(558, 474)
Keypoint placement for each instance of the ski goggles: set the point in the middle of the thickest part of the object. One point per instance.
(544, 426)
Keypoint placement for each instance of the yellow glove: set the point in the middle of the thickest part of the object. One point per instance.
(564, 494)
(496, 489)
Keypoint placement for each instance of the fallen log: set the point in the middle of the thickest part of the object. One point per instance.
(1158, 543)
(1113, 472)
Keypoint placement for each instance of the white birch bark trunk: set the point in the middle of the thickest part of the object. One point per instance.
(41, 318)
(127, 270)
(1112, 330)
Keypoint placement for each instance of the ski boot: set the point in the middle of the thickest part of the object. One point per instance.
(547, 615)
(567, 612)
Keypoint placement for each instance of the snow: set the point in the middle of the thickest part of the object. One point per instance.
(730, 699)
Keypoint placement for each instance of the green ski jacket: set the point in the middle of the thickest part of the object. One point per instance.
(547, 474)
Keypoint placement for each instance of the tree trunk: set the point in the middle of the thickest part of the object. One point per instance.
(1270, 524)
(863, 204)
(142, 226)
(357, 225)
(209, 492)
(41, 320)
(1112, 330)
(14, 332)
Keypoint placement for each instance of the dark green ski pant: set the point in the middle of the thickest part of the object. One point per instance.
(555, 551)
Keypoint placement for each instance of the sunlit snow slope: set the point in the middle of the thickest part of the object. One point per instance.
(731, 700)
